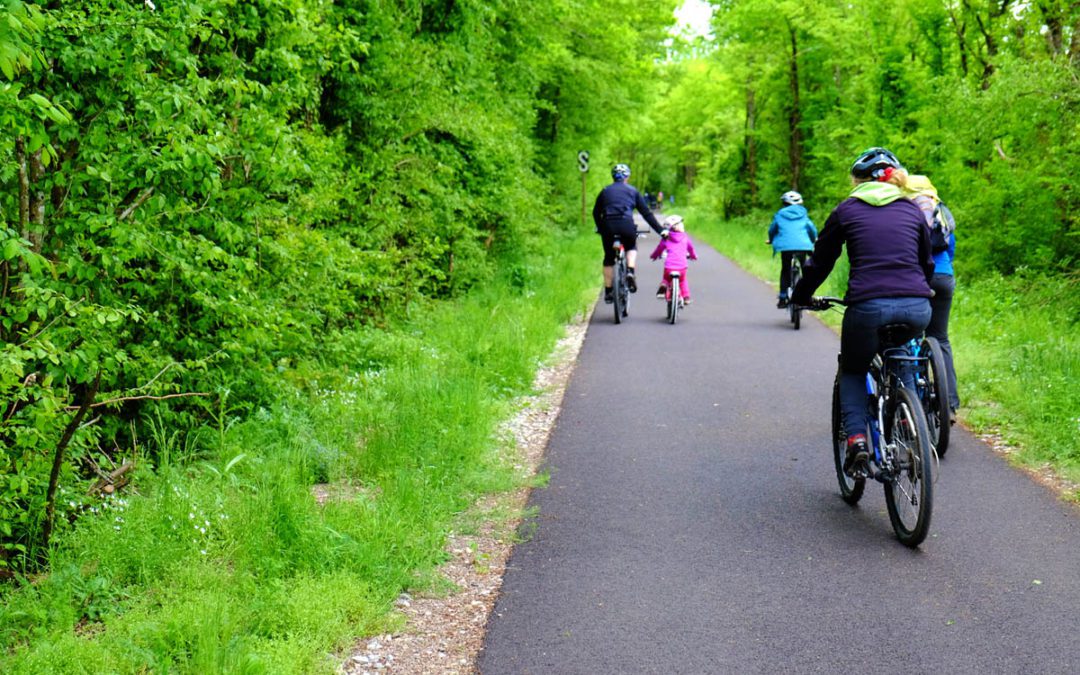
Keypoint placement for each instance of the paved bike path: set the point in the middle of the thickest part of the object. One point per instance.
(692, 522)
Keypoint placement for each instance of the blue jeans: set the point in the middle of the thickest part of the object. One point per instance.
(859, 343)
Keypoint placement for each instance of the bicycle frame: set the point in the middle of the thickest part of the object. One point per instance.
(883, 378)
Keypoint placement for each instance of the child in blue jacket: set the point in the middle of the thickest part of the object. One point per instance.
(792, 234)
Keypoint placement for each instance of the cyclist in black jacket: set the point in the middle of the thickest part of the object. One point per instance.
(613, 214)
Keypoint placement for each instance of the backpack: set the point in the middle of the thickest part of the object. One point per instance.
(941, 226)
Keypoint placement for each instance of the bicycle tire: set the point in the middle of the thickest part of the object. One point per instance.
(793, 309)
(851, 489)
(624, 291)
(674, 291)
(616, 289)
(936, 396)
(909, 495)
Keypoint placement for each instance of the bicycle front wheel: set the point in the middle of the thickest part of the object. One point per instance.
(935, 396)
(909, 494)
(673, 299)
(851, 489)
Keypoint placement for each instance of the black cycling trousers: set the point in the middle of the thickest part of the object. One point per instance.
(627, 234)
(785, 267)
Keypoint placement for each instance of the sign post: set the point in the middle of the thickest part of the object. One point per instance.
(583, 166)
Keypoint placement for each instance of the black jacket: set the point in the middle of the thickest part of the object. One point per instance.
(614, 208)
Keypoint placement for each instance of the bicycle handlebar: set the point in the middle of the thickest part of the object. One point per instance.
(823, 302)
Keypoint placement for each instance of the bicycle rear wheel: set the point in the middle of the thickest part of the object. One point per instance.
(624, 291)
(851, 489)
(909, 495)
(935, 396)
(617, 284)
(795, 310)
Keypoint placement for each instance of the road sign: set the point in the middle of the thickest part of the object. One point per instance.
(583, 161)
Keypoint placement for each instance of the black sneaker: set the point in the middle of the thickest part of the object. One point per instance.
(661, 293)
(781, 302)
(609, 296)
(856, 462)
(631, 282)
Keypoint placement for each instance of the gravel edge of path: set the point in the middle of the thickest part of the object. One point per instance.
(444, 633)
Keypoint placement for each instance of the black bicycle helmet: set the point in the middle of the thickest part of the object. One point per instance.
(872, 163)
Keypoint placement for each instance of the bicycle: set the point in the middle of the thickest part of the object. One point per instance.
(620, 289)
(932, 386)
(673, 296)
(902, 456)
(794, 311)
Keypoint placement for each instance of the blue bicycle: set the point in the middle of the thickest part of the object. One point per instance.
(902, 454)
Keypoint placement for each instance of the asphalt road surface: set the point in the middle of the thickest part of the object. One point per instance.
(692, 522)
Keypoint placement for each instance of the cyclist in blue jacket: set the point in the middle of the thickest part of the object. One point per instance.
(792, 235)
(613, 214)
(889, 251)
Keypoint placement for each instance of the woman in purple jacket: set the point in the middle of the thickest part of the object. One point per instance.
(888, 248)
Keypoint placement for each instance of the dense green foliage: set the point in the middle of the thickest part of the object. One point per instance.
(226, 563)
(980, 96)
(253, 245)
(201, 199)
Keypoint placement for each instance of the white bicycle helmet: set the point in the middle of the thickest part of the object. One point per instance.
(620, 172)
(791, 197)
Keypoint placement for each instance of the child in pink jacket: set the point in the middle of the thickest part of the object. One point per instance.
(679, 249)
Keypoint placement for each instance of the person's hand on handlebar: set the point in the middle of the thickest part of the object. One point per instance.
(664, 233)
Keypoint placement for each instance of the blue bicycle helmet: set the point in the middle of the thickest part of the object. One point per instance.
(620, 172)
(872, 163)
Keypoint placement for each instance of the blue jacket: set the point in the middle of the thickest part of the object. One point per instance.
(792, 230)
(943, 260)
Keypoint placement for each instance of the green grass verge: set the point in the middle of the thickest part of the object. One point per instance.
(1016, 344)
(225, 562)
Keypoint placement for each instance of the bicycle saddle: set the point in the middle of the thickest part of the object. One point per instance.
(896, 334)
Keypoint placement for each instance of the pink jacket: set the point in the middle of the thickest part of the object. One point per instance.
(678, 247)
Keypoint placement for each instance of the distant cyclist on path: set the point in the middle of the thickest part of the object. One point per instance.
(792, 235)
(613, 214)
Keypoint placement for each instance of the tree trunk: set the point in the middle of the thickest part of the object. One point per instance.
(1074, 44)
(750, 143)
(58, 459)
(1055, 28)
(794, 114)
(24, 187)
(37, 201)
(960, 28)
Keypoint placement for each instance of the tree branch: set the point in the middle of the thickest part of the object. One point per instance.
(139, 201)
(141, 398)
